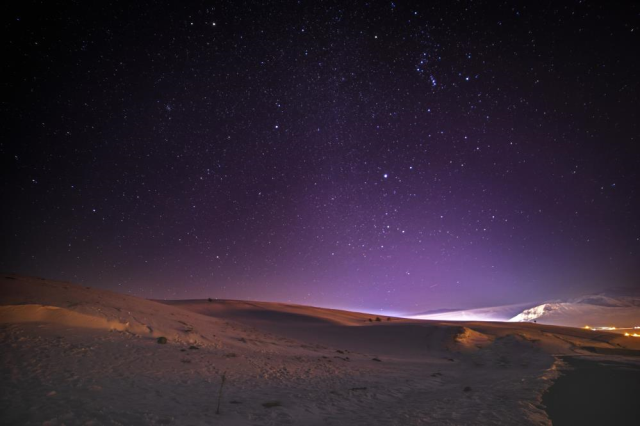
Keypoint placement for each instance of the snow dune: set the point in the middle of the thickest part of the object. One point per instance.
(75, 355)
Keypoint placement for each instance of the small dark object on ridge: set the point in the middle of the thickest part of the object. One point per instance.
(193, 347)
(466, 389)
(378, 319)
(339, 351)
(271, 404)
(162, 340)
(376, 359)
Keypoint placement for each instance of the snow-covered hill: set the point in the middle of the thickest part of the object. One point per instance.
(607, 309)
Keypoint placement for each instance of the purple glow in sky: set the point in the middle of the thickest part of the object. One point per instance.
(372, 155)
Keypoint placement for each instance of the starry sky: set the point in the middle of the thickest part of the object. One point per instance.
(379, 156)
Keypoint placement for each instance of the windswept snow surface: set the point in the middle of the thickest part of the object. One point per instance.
(76, 355)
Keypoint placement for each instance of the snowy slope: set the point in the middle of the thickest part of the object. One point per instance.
(75, 355)
(596, 310)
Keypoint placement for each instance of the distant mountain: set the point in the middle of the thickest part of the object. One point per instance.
(612, 308)
(621, 292)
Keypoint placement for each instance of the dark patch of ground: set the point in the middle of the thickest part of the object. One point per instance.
(595, 392)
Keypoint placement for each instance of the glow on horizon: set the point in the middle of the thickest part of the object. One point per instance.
(459, 316)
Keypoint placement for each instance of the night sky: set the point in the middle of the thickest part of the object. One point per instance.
(395, 156)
